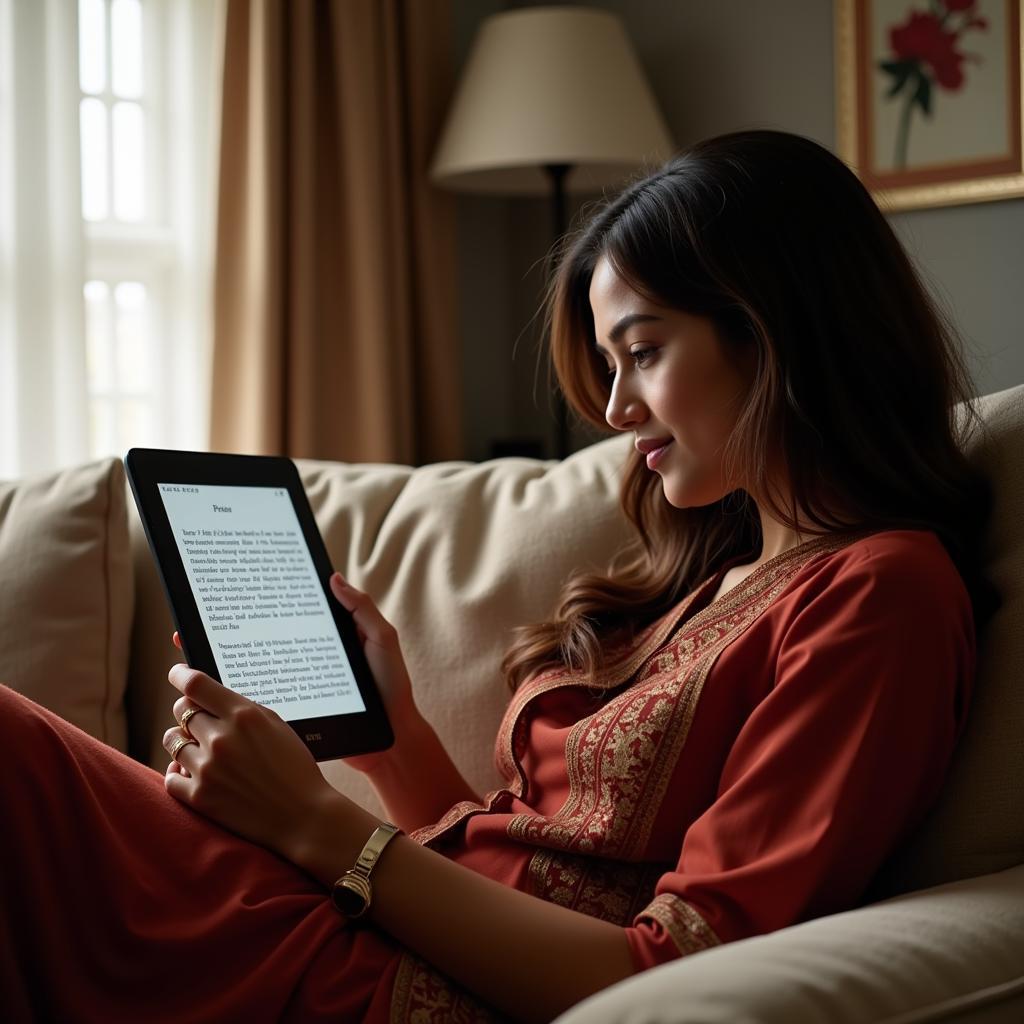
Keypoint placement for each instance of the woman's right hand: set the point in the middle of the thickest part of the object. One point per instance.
(384, 655)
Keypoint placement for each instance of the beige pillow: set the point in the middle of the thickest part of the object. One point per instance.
(977, 826)
(951, 954)
(66, 599)
(457, 554)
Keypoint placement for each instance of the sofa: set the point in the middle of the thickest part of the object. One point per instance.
(456, 554)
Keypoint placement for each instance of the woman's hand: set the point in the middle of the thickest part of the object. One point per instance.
(248, 770)
(384, 655)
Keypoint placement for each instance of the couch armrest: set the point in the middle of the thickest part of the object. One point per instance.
(951, 953)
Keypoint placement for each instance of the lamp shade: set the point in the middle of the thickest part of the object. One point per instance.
(549, 85)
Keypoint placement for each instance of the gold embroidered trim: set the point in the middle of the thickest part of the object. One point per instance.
(420, 995)
(786, 564)
(455, 814)
(686, 928)
(646, 642)
(614, 756)
(613, 891)
(650, 638)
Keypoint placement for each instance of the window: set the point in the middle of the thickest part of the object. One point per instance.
(143, 149)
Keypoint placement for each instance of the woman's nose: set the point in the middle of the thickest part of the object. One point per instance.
(623, 411)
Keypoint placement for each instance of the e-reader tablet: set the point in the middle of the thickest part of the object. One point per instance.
(247, 577)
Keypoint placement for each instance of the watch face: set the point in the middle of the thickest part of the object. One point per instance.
(350, 903)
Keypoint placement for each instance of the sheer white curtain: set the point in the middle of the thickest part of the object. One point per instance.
(49, 405)
(43, 401)
(195, 87)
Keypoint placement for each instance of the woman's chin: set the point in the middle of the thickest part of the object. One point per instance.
(680, 495)
(677, 497)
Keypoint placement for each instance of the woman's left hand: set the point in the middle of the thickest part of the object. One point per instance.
(247, 770)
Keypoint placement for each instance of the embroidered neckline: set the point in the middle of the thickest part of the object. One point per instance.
(829, 541)
(657, 631)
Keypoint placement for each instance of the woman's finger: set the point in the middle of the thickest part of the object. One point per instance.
(182, 704)
(185, 752)
(205, 692)
(342, 589)
(366, 614)
(177, 640)
(193, 719)
(176, 783)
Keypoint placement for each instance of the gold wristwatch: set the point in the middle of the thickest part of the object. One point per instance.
(351, 894)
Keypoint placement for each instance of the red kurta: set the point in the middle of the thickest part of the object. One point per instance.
(742, 766)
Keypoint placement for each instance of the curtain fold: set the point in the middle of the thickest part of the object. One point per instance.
(335, 281)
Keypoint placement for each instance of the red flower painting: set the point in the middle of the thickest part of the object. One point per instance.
(926, 54)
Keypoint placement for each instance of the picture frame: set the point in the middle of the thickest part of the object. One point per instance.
(929, 105)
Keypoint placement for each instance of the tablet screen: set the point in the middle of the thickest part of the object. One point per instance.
(265, 613)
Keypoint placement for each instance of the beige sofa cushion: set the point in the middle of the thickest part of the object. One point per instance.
(67, 594)
(978, 824)
(459, 554)
(954, 953)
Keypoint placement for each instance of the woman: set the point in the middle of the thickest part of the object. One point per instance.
(724, 735)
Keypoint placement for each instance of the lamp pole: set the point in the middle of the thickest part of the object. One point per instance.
(557, 173)
(549, 89)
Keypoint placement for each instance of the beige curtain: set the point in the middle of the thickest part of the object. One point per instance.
(335, 315)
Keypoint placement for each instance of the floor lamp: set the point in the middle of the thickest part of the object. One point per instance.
(552, 101)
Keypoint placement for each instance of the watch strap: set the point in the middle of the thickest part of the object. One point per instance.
(357, 879)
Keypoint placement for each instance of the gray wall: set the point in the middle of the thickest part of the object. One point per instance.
(714, 67)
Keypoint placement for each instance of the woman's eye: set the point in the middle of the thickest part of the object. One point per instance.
(640, 356)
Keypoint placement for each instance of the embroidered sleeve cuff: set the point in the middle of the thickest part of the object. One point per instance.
(666, 929)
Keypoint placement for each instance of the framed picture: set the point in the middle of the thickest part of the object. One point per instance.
(928, 94)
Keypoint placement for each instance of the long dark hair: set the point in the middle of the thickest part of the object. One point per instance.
(859, 376)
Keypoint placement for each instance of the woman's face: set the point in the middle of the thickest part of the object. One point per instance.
(673, 386)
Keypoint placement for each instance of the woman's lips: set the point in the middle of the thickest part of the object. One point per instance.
(653, 458)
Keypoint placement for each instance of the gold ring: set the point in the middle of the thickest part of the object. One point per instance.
(181, 741)
(185, 716)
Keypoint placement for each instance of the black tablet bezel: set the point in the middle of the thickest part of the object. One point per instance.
(328, 738)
